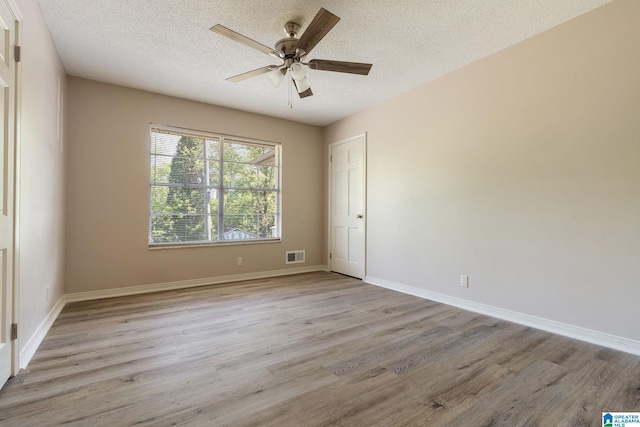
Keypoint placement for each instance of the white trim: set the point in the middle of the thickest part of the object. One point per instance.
(17, 120)
(181, 284)
(571, 331)
(214, 243)
(223, 139)
(41, 332)
(13, 6)
(208, 134)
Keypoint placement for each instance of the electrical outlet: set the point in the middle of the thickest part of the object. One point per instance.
(464, 281)
(240, 261)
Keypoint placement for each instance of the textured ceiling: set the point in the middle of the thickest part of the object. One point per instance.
(165, 46)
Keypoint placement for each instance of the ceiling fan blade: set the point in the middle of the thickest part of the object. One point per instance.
(340, 66)
(304, 93)
(224, 31)
(253, 73)
(321, 24)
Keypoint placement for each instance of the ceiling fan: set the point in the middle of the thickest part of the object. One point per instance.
(292, 51)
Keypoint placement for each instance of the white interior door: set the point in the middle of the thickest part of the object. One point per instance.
(7, 184)
(347, 220)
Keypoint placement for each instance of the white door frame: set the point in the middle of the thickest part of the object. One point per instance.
(15, 285)
(364, 195)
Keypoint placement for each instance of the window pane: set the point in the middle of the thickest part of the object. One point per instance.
(165, 144)
(160, 168)
(243, 175)
(188, 164)
(239, 175)
(213, 200)
(250, 212)
(187, 200)
(249, 202)
(238, 201)
(175, 228)
(249, 226)
(267, 177)
(236, 151)
(213, 149)
(239, 227)
(158, 203)
(214, 172)
(267, 226)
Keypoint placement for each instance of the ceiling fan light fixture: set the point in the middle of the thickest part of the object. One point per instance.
(302, 85)
(298, 71)
(276, 77)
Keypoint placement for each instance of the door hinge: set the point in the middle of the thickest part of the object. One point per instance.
(14, 331)
(329, 255)
(17, 53)
(331, 158)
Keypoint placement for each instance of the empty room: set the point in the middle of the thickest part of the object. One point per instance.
(304, 213)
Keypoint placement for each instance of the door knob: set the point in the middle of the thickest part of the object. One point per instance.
(359, 216)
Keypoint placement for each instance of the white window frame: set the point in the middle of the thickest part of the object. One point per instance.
(220, 187)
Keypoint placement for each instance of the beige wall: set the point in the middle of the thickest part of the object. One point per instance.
(42, 174)
(108, 189)
(522, 171)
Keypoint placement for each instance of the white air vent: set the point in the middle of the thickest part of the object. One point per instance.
(294, 257)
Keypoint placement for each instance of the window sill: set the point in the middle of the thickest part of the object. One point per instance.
(161, 246)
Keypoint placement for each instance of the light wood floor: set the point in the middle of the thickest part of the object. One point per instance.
(309, 350)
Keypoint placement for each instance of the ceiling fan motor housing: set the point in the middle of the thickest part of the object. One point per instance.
(288, 48)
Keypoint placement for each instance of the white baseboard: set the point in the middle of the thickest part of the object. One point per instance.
(571, 331)
(182, 284)
(582, 334)
(36, 339)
